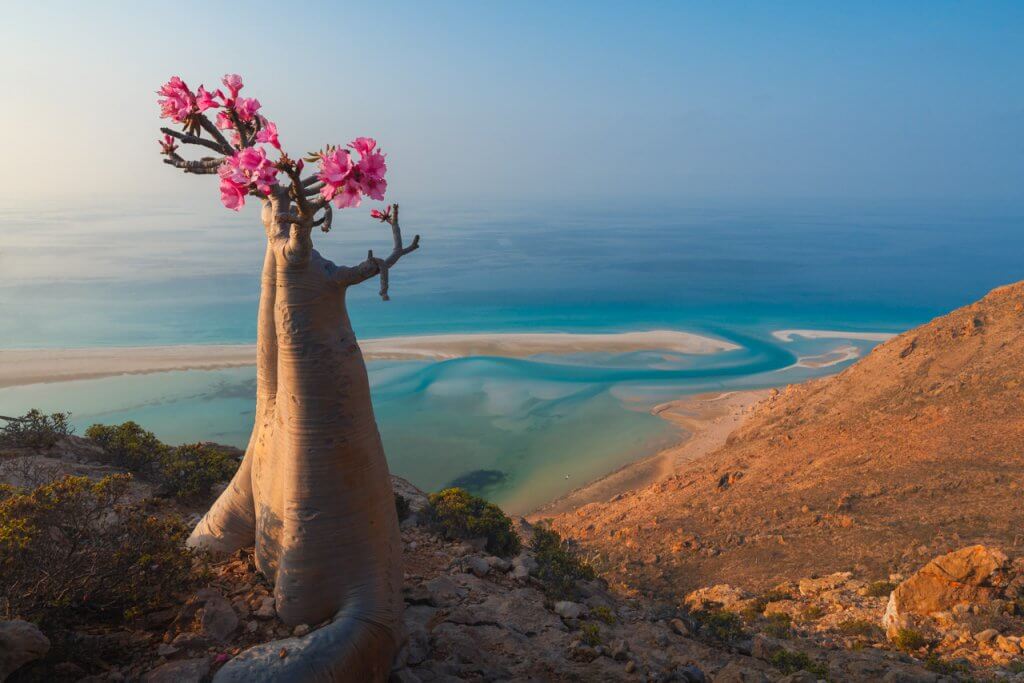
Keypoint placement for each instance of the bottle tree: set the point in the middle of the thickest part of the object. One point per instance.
(313, 492)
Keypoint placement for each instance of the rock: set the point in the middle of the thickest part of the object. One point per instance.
(166, 650)
(443, 591)
(722, 595)
(20, 643)
(824, 583)
(986, 636)
(266, 609)
(582, 653)
(300, 630)
(691, 674)
(764, 647)
(185, 671)
(964, 576)
(568, 610)
(799, 677)
(620, 652)
(734, 672)
(630, 666)
(191, 641)
(219, 619)
(478, 566)
(679, 627)
(499, 564)
(1007, 645)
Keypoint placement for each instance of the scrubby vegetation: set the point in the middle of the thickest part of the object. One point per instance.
(789, 662)
(590, 634)
(70, 550)
(602, 613)
(778, 625)
(186, 471)
(861, 627)
(559, 565)
(879, 589)
(721, 624)
(460, 514)
(908, 640)
(34, 430)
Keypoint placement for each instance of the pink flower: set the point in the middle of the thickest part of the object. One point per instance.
(246, 108)
(168, 145)
(232, 82)
(335, 167)
(374, 188)
(249, 168)
(207, 100)
(348, 196)
(268, 133)
(177, 102)
(363, 145)
(224, 121)
(373, 165)
(382, 216)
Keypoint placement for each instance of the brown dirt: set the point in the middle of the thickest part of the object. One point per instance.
(911, 452)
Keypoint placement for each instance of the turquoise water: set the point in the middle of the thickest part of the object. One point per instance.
(517, 430)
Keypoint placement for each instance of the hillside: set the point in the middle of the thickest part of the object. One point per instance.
(913, 451)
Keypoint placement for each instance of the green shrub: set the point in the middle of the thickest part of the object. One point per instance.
(879, 589)
(460, 514)
(191, 470)
(860, 627)
(590, 634)
(34, 430)
(604, 614)
(812, 612)
(129, 446)
(69, 549)
(187, 471)
(943, 666)
(559, 566)
(789, 662)
(721, 624)
(908, 639)
(779, 625)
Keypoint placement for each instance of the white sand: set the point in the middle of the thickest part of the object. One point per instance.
(32, 366)
(787, 335)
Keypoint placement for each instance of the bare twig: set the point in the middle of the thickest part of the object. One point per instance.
(373, 265)
(190, 139)
(206, 165)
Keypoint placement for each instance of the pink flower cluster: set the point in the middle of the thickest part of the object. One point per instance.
(346, 182)
(248, 169)
(178, 103)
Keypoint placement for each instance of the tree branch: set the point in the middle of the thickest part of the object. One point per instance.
(326, 219)
(210, 128)
(190, 139)
(206, 165)
(348, 276)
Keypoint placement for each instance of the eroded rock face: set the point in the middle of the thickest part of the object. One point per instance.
(969, 576)
(20, 643)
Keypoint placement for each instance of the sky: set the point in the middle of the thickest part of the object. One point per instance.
(535, 101)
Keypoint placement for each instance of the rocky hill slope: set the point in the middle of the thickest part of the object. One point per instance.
(913, 451)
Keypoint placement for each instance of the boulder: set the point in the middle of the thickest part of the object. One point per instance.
(568, 610)
(184, 671)
(964, 577)
(722, 595)
(734, 672)
(20, 643)
(219, 619)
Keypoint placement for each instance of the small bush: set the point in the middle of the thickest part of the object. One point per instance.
(812, 612)
(129, 446)
(35, 430)
(191, 470)
(69, 549)
(188, 471)
(908, 639)
(860, 627)
(943, 666)
(460, 514)
(590, 634)
(779, 625)
(604, 614)
(789, 662)
(559, 566)
(721, 624)
(879, 589)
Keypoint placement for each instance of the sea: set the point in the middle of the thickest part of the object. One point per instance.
(519, 431)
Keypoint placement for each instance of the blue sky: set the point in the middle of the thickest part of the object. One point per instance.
(532, 101)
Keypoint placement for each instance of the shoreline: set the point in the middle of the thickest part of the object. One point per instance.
(705, 421)
(19, 367)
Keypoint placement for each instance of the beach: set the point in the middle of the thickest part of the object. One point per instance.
(705, 421)
(32, 366)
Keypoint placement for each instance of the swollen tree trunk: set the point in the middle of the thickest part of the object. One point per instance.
(313, 493)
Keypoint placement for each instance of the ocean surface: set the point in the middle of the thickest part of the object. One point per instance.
(519, 431)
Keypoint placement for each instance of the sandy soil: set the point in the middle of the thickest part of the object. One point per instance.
(32, 366)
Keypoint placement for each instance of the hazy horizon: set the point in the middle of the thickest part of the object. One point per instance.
(735, 101)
